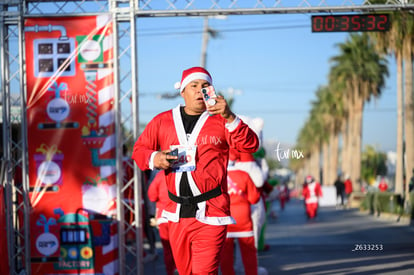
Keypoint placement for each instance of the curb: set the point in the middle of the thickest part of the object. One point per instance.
(402, 220)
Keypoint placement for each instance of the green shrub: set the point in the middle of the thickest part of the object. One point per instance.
(368, 202)
(387, 202)
(412, 205)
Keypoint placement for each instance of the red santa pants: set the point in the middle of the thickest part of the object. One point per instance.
(248, 254)
(311, 209)
(282, 202)
(165, 241)
(196, 246)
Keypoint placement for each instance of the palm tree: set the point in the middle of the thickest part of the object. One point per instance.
(330, 106)
(321, 112)
(391, 43)
(300, 166)
(313, 137)
(320, 132)
(407, 52)
(362, 71)
(309, 144)
(399, 41)
(318, 126)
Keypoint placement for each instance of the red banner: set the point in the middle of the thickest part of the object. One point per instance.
(71, 144)
(4, 267)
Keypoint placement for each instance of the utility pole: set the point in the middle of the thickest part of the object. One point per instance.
(207, 33)
(204, 43)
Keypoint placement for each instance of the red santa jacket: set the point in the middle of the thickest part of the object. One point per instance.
(348, 186)
(283, 191)
(383, 186)
(213, 138)
(311, 192)
(243, 193)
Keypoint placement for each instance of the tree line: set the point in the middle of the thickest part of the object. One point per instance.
(332, 134)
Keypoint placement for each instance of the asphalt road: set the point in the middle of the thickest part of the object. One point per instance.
(337, 242)
(342, 241)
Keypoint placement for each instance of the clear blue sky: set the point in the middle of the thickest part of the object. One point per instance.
(274, 60)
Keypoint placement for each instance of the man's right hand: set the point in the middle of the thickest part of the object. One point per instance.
(163, 160)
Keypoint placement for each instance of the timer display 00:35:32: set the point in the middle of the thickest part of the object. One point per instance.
(350, 23)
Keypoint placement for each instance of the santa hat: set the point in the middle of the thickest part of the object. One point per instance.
(309, 179)
(192, 74)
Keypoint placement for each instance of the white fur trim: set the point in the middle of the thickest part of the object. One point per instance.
(253, 169)
(151, 161)
(195, 76)
(242, 234)
(233, 125)
(161, 220)
(311, 200)
(177, 85)
(217, 220)
(171, 216)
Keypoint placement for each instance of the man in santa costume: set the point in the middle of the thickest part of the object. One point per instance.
(283, 194)
(348, 190)
(191, 143)
(243, 193)
(246, 162)
(311, 192)
(258, 170)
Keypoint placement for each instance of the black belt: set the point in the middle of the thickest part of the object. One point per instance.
(187, 200)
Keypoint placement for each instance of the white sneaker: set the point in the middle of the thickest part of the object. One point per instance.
(262, 271)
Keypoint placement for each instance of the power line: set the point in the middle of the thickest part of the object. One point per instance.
(216, 26)
(169, 33)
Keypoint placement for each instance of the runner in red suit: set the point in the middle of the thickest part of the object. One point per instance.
(199, 208)
(283, 195)
(348, 190)
(243, 193)
(383, 186)
(158, 193)
(311, 192)
(246, 162)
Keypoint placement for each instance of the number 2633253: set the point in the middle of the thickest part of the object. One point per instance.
(368, 247)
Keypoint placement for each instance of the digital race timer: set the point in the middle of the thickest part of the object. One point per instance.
(350, 23)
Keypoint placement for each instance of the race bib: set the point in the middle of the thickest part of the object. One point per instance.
(186, 158)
